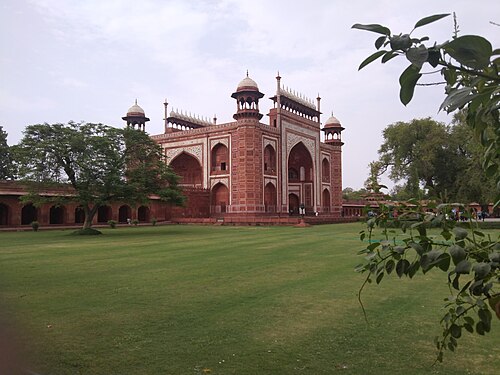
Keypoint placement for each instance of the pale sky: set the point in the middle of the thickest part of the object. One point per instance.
(89, 60)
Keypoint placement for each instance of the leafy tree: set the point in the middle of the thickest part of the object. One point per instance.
(6, 162)
(350, 194)
(102, 164)
(469, 258)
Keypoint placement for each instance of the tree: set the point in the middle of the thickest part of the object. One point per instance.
(444, 160)
(102, 164)
(6, 162)
(469, 258)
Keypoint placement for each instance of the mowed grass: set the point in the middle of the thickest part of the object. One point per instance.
(221, 300)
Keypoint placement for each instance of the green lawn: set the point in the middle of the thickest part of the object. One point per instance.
(221, 300)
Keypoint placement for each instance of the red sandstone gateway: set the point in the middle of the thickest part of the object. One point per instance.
(243, 171)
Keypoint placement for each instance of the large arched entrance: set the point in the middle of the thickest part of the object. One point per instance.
(189, 169)
(326, 200)
(56, 215)
(124, 214)
(301, 175)
(143, 214)
(293, 204)
(29, 214)
(219, 198)
(270, 197)
(103, 214)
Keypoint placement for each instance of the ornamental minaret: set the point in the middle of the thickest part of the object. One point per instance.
(247, 97)
(136, 116)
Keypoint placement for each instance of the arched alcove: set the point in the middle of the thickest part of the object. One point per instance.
(269, 160)
(220, 159)
(56, 215)
(124, 213)
(143, 214)
(29, 213)
(325, 170)
(219, 197)
(4, 214)
(188, 168)
(270, 197)
(103, 214)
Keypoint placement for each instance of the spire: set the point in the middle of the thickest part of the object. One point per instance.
(247, 73)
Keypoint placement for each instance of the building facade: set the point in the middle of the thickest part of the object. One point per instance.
(253, 168)
(244, 171)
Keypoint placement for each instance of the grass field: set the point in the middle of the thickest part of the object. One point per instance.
(221, 300)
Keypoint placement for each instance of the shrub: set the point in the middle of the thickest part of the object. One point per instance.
(112, 223)
(135, 222)
(154, 221)
(35, 225)
(87, 232)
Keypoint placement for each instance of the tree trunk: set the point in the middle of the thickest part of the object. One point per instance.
(89, 215)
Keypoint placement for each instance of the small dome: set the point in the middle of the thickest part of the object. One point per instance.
(247, 84)
(332, 121)
(135, 110)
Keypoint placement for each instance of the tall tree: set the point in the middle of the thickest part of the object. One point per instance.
(102, 164)
(6, 162)
(420, 153)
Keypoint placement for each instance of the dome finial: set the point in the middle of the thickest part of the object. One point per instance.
(135, 101)
(247, 73)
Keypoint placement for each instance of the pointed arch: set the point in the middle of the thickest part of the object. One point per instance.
(326, 200)
(56, 214)
(4, 214)
(270, 197)
(301, 161)
(188, 168)
(220, 159)
(219, 197)
(325, 170)
(143, 214)
(124, 213)
(269, 160)
(29, 213)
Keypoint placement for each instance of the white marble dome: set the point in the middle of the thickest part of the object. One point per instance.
(136, 110)
(247, 83)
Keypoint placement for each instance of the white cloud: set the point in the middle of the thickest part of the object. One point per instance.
(90, 59)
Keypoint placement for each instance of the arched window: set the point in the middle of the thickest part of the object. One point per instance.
(269, 160)
(326, 200)
(293, 175)
(325, 170)
(300, 158)
(220, 159)
(220, 198)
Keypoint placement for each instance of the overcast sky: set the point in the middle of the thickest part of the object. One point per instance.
(89, 60)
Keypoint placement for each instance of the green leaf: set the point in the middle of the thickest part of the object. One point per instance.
(485, 316)
(407, 81)
(457, 98)
(380, 41)
(389, 266)
(433, 57)
(380, 276)
(417, 55)
(457, 253)
(444, 262)
(480, 328)
(470, 50)
(371, 58)
(460, 233)
(481, 270)
(430, 19)
(455, 331)
(373, 28)
(469, 328)
(402, 267)
(463, 267)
